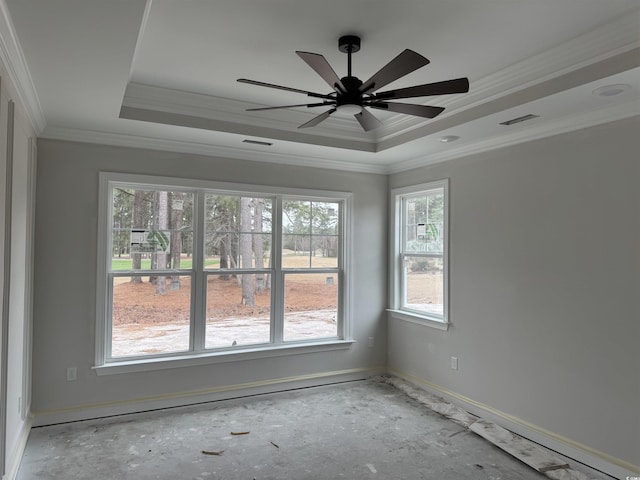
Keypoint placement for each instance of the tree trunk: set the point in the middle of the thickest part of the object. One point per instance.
(258, 247)
(162, 225)
(176, 236)
(138, 224)
(246, 250)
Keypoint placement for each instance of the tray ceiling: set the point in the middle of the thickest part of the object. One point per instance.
(162, 74)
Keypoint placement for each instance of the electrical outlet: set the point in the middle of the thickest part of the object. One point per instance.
(72, 374)
(371, 342)
(454, 363)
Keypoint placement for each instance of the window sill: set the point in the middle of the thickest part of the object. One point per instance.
(418, 319)
(179, 361)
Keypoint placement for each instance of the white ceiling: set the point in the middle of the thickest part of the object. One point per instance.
(162, 73)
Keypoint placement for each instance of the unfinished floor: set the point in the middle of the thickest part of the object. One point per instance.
(355, 430)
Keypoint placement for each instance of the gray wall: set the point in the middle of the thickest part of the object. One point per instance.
(65, 273)
(544, 278)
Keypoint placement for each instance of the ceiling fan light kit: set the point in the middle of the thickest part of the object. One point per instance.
(352, 96)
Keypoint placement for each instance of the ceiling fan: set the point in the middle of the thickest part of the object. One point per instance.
(352, 96)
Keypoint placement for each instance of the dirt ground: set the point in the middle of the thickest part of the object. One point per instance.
(139, 303)
(146, 323)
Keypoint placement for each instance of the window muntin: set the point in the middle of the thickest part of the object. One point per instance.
(141, 250)
(420, 259)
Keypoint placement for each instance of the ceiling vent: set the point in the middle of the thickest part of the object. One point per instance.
(257, 142)
(520, 119)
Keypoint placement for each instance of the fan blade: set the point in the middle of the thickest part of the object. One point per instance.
(409, 109)
(289, 106)
(280, 87)
(459, 85)
(367, 120)
(316, 120)
(322, 68)
(403, 64)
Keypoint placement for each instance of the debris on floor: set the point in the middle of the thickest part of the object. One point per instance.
(213, 452)
(566, 474)
(275, 445)
(240, 433)
(453, 413)
(530, 453)
(524, 450)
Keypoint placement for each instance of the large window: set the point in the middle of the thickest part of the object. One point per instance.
(194, 269)
(419, 259)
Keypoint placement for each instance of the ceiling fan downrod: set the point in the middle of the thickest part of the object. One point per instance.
(350, 100)
(349, 44)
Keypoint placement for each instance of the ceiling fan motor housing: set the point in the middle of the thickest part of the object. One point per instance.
(352, 96)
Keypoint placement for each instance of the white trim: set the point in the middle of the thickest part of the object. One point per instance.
(418, 319)
(541, 130)
(105, 364)
(395, 241)
(589, 52)
(4, 348)
(13, 59)
(209, 149)
(212, 394)
(588, 457)
(178, 361)
(29, 280)
(142, 101)
(102, 333)
(15, 457)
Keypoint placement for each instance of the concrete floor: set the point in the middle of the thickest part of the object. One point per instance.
(355, 430)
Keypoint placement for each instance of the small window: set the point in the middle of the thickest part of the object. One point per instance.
(192, 268)
(420, 262)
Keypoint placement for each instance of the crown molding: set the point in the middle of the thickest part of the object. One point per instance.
(609, 40)
(197, 148)
(612, 39)
(566, 124)
(14, 61)
(563, 125)
(191, 104)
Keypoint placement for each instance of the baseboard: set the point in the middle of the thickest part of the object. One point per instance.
(181, 399)
(15, 456)
(587, 457)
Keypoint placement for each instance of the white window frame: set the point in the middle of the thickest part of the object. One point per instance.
(198, 355)
(397, 287)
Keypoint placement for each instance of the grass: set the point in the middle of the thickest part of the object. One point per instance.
(185, 263)
(290, 260)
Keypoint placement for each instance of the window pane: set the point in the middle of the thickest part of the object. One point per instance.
(325, 251)
(237, 231)
(310, 306)
(424, 222)
(310, 234)
(238, 310)
(151, 229)
(424, 284)
(151, 315)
